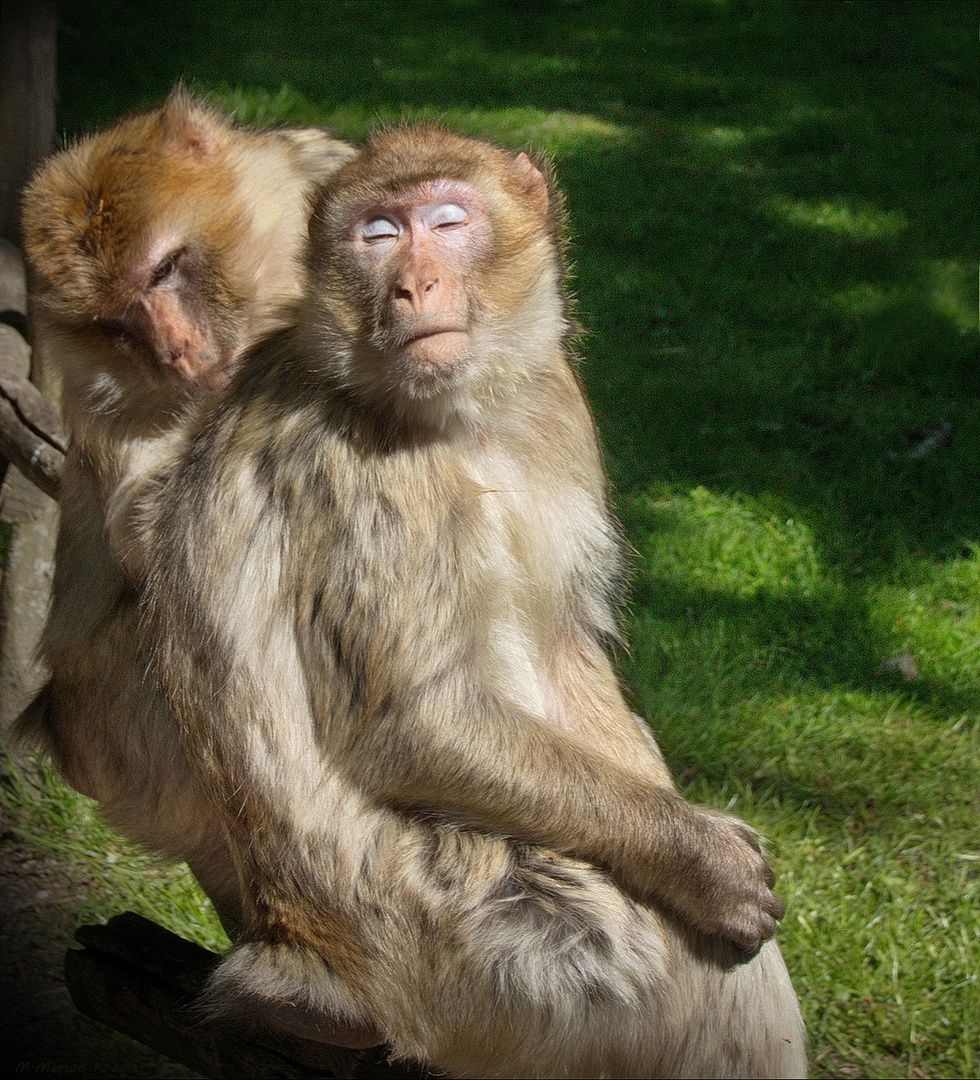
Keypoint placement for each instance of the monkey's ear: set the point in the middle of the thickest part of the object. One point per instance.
(190, 128)
(535, 185)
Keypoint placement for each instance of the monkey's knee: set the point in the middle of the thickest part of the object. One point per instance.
(614, 988)
(286, 989)
(573, 941)
(739, 1019)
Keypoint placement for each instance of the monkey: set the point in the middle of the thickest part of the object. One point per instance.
(159, 249)
(380, 588)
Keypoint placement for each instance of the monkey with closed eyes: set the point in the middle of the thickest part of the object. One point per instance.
(380, 580)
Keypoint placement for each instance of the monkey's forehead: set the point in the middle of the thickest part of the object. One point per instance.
(90, 236)
(403, 195)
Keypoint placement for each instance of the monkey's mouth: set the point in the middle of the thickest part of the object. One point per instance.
(437, 346)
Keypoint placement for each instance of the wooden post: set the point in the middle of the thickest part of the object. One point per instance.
(27, 104)
(27, 99)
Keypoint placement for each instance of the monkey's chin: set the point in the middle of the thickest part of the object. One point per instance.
(440, 350)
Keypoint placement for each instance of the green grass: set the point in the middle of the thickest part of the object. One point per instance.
(775, 246)
(111, 874)
(760, 667)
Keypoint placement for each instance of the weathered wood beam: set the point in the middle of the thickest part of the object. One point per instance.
(144, 981)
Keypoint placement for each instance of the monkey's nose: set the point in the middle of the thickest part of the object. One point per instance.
(418, 292)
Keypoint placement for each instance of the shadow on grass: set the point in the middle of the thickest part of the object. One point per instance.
(774, 262)
(790, 694)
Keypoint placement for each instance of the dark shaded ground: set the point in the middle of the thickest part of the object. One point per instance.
(43, 1034)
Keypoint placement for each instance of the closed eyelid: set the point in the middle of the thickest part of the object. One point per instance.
(378, 228)
(448, 214)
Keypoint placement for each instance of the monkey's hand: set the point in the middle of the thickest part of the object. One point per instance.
(720, 881)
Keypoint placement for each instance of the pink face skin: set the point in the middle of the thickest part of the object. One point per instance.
(171, 323)
(420, 245)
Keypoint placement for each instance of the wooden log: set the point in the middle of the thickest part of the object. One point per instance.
(31, 437)
(144, 981)
(31, 433)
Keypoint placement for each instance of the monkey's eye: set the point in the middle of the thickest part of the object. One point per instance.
(122, 334)
(447, 214)
(379, 229)
(166, 268)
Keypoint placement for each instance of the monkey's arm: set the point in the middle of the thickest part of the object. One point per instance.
(508, 773)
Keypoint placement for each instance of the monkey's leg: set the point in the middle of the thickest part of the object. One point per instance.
(488, 959)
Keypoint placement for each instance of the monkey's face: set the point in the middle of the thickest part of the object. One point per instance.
(417, 253)
(171, 325)
(182, 321)
(134, 237)
(431, 288)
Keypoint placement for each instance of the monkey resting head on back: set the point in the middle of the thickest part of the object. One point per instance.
(159, 250)
(379, 589)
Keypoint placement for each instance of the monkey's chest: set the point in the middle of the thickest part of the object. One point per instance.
(430, 570)
(478, 540)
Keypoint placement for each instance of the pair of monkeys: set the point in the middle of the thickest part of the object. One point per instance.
(336, 581)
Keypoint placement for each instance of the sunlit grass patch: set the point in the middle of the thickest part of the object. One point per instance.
(860, 222)
(265, 108)
(759, 665)
(737, 544)
(111, 874)
(935, 618)
(557, 132)
(882, 927)
(953, 291)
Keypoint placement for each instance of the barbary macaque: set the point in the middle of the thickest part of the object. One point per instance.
(380, 581)
(159, 250)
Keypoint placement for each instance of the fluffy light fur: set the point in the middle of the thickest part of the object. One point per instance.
(380, 600)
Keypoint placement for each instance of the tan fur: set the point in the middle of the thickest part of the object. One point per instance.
(380, 585)
(137, 354)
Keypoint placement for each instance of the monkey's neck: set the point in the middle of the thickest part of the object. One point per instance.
(121, 433)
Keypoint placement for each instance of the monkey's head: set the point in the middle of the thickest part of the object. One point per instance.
(133, 238)
(435, 273)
